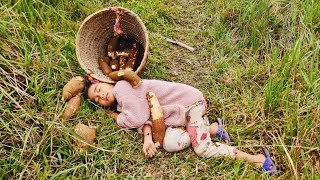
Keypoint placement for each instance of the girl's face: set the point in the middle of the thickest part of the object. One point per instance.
(101, 93)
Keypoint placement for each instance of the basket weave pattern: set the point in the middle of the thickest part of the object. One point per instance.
(96, 31)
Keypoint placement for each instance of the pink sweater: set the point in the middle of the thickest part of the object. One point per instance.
(174, 98)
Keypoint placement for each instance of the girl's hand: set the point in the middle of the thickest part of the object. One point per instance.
(113, 114)
(149, 149)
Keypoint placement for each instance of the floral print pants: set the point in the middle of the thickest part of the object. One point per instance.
(196, 134)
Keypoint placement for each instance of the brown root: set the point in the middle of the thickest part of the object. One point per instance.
(122, 53)
(103, 64)
(112, 47)
(87, 133)
(73, 87)
(132, 58)
(72, 106)
(122, 62)
(127, 75)
(158, 125)
(114, 64)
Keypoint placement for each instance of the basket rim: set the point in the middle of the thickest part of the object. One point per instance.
(146, 49)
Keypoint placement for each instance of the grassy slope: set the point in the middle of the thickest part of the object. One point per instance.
(257, 62)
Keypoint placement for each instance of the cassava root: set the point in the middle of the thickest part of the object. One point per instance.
(158, 125)
(73, 87)
(127, 75)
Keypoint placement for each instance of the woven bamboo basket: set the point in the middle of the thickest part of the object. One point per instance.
(96, 31)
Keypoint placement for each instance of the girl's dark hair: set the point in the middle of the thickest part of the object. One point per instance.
(86, 88)
(91, 104)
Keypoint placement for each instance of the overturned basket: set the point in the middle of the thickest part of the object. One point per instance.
(95, 33)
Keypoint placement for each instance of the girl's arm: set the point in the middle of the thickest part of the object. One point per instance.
(149, 148)
(113, 114)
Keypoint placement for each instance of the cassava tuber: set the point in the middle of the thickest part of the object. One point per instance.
(104, 65)
(122, 53)
(132, 57)
(87, 133)
(73, 87)
(72, 106)
(114, 64)
(112, 47)
(127, 75)
(158, 125)
(122, 62)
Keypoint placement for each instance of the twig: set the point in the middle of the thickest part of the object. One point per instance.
(290, 160)
(178, 43)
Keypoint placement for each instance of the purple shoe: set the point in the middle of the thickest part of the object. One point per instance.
(222, 134)
(268, 165)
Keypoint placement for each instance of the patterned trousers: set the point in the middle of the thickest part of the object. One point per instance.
(196, 134)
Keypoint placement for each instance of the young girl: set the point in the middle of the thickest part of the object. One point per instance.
(185, 115)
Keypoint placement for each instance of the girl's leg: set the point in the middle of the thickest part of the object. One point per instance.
(176, 139)
(198, 130)
(256, 160)
(216, 130)
(259, 160)
(213, 129)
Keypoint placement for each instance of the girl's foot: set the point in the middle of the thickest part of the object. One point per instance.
(220, 132)
(213, 129)
(259, 160)
(268, 165)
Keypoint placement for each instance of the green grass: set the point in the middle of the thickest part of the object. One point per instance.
(257, 62)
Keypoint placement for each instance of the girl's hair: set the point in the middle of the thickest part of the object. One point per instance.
(86, 88)
(91, 104)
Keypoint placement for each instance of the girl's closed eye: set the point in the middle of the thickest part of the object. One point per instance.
(97, 89)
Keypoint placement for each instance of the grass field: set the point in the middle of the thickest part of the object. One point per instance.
(257, 62)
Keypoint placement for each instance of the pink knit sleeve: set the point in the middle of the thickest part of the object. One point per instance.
(122, 121)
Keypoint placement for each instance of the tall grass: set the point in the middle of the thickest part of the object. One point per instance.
(257, 62)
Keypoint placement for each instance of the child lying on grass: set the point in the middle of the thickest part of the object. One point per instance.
(185, 114)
